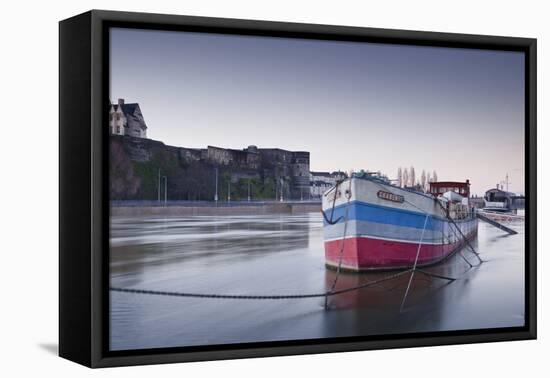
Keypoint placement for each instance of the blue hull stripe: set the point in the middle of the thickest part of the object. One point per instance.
(362, 211)
(404, 234)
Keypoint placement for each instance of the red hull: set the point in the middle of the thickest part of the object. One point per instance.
(363, 253)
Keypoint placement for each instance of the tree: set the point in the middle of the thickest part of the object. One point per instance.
(435, 176)
(423, 180)
(429, 178)
(194, 182)
(405, 177)
(124, 184)
(400, 177)
(412, 177)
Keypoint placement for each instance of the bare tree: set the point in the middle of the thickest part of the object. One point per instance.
(423, 179)
(435, 176)
(429, 178)
(405, 177)
(412, 177)
(400, 177)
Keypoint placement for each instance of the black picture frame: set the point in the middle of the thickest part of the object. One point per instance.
(83, 196)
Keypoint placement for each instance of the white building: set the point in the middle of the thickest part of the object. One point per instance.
(320, 182)
(126, 119)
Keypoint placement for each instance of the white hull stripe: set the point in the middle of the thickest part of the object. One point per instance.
(388, 239)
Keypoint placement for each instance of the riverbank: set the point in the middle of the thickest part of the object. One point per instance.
(249, 209)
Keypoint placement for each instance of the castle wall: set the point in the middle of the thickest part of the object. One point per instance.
(286, 171)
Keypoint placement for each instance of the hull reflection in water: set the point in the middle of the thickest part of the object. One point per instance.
(390, 294)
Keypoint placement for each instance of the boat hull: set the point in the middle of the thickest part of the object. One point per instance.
(373, 231)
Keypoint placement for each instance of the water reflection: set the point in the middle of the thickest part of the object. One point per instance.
(284, 254)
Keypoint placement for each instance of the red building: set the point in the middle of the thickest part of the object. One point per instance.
(440, 187)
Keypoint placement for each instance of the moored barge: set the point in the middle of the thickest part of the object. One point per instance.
(371, 224)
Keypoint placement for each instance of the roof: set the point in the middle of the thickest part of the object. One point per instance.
(127, 108)
(133, 114)
(328, 174)
(494, 190)
(449, 183)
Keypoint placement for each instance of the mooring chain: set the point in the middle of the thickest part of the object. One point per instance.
(258, 297)
(330, 292)
(326, 294)
(331, 221)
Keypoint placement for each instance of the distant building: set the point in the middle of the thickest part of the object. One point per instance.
(500, 200)
(289, 170)
(127, 119)
(320, 182)
(248, 158)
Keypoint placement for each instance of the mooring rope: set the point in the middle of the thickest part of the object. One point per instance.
(341, 254)
(472, 249)
(415, 261)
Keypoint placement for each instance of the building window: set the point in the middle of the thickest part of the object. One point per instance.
(118, 116)
(111, 117)
(118, 129)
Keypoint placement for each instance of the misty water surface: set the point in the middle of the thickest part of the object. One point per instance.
(283, 254)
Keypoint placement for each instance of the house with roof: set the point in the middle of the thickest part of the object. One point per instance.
(127, 119)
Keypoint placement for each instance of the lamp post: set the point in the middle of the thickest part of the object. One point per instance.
(216, 194)
(229, 190)
(165, 190)
(158, 186)
(249, 190)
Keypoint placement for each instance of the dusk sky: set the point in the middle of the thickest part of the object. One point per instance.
(351, 105)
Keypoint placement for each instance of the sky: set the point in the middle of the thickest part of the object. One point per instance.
(352, 105)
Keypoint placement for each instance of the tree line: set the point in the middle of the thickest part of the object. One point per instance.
(406, 177)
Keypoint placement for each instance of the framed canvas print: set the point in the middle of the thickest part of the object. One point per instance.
(233, 188)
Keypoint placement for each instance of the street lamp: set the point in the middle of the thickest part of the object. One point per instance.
(158, 187)
(216, 194)
(165, 190)
(229, 190)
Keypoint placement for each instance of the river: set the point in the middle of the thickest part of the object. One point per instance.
(284, 254)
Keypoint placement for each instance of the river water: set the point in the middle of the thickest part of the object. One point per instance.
(284, 254)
